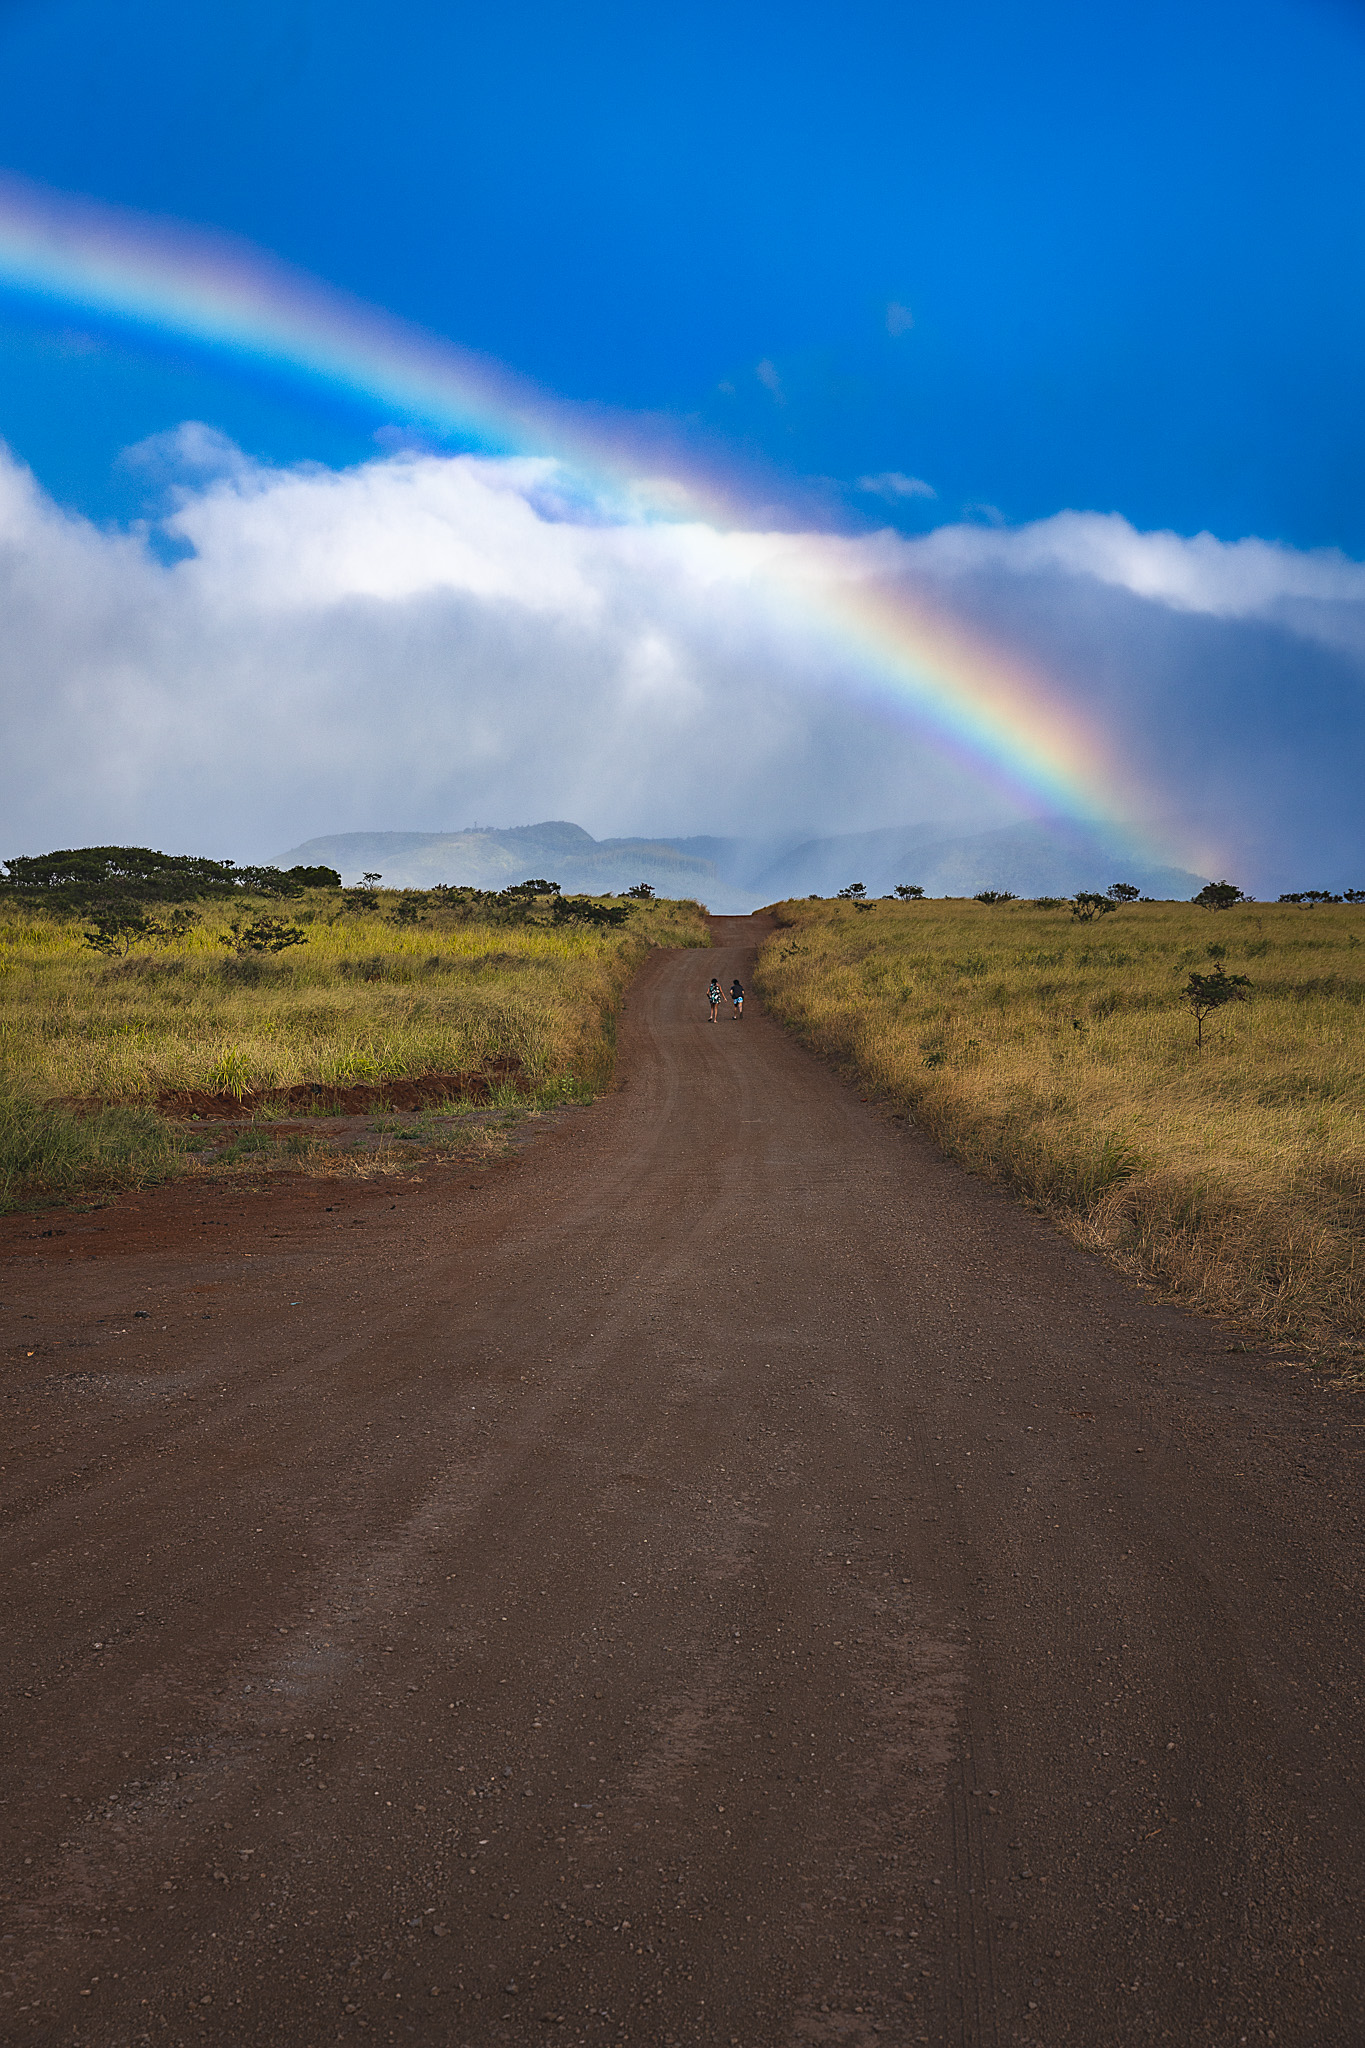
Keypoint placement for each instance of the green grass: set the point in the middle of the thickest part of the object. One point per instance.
(47, 1148)
(88, 1043)
(1058, 1059)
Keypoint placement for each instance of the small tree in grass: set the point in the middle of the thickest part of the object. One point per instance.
(909, 892)
(262, 935)
(1122, 892)
(1207, 992)
(522, 900)
(117, 927)
(362, 894)
(643, 892)
(853, 893)
(995, 896)
(1219, 896)
(409, 908)
(1087, 904)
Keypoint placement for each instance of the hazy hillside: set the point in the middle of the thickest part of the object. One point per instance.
(1036, 859)
(488, 859)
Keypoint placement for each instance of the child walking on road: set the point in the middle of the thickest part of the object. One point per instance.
(737, 998)
(713, 997)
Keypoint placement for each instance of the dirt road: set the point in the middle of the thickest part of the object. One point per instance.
(723, 1577)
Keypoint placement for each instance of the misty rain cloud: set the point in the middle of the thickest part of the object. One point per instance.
(422, 639)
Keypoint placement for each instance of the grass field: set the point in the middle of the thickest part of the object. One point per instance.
(87, 1043)
(1058, 1058)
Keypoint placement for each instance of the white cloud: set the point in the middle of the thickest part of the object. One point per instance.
(1240, 579)
(768, 376)
(425, 639)
(893, 484)
(411, 643)
(187, 455)
(301, 541)
(985, 514)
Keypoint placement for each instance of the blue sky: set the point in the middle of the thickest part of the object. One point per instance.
(1131, 239)
(1043, 259)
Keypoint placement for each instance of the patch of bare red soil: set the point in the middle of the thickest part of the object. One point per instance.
(418, 1091)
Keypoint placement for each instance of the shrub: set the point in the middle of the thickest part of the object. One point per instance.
(1086, 904)
(262, 934)
(1219, 896)
(582, 910)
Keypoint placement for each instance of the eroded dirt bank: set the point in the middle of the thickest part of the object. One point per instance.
(723, 1576)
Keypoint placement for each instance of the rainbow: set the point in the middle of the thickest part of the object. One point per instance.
(64, 256)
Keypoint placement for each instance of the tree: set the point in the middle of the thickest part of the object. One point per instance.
(285, 881)
(1311, 896)
(582, 910)
(1086, 904)
(995, 896)
(642, 892)
(119, 926)
(854, 893)
(1219, 896)
(410, 906)
(909, 892)
(361, 895)
(1122, 892)
(1207, 992)
(94, 875)
(262, 935)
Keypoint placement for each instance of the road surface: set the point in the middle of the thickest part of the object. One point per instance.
(723, 1577)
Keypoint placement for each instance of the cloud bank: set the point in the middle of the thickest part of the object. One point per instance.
(427, 641)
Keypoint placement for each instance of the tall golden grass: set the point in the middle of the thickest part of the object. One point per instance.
(367, 998)
(1059, 1059)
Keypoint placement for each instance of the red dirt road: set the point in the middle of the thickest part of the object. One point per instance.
(722, 1577)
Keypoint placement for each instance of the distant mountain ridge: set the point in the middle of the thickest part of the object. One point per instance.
(1045, 858)
(484, 858)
